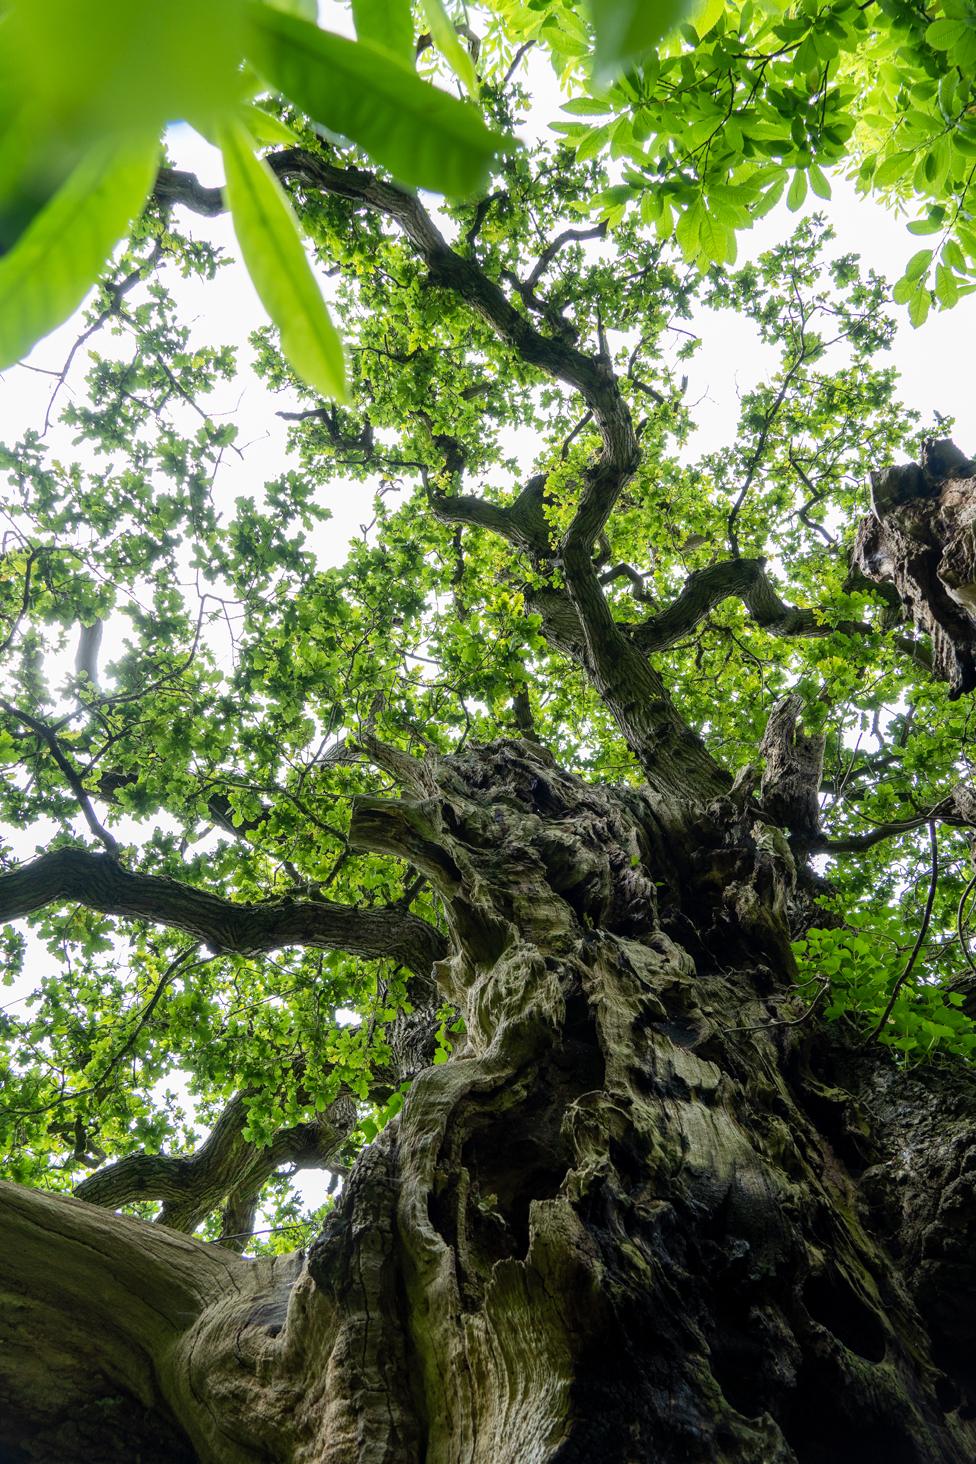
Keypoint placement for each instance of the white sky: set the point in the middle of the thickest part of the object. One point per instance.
(730, 361)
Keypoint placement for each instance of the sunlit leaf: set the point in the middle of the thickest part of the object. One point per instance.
(272, 247)
(422, 135)
(627, 30)
(387, 24)
(704, 14)
(305, 9)
(267, 129)
(919, 305)
(98, 67)
(797, 191)
(445, 38)
(45, 275)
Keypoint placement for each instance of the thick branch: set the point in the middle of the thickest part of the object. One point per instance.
(523, 523)
(97, 881)
(226, 1166)
(745, 579)
(89, 1304)
(674, 759)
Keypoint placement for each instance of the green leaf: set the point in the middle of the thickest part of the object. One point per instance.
(271, 245)
(57, 258)
(267, 129)
(919, 306)
(586, 107)
(918, 264)
(925, 226)
(304, 9)
(943, 35)
(903, 290)
(946, 287)
(717, 242)
(954, 256)
(798, 191)
(591, 142)
(445, 38)
(893, 168)
(425, 137)
(818, 182)
(688, 231)
(705, 14)
(387, 24)
(97, 68)
(627, 30)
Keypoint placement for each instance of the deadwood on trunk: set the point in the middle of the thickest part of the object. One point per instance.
(793, 769)
(921, 538)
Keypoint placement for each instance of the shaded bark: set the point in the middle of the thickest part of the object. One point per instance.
(790, 786)
(635, 1217)
(921, 538)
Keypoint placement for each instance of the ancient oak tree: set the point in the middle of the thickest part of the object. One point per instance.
(579, 872)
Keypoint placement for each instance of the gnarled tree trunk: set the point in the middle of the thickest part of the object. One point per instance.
(641, 1214)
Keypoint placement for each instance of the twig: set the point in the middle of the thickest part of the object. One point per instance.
(919, 940)
(787, 1021)
(961, 924)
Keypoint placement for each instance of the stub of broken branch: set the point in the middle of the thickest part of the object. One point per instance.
(794, 768)
(921, 538)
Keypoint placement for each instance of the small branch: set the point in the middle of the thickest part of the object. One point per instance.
(627, 572)
(568, 236)
(47, 736)
(919, 940)
(961, 924)
(756, 459)
(226, 1167)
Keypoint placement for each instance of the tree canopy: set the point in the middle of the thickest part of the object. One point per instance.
(213, 900)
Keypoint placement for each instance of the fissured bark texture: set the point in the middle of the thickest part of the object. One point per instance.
(640, 1215)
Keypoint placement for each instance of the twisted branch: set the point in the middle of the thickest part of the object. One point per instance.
(100, 883)
(227, 1167)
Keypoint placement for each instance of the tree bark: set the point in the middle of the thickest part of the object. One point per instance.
(642, 1213)
(921, 538)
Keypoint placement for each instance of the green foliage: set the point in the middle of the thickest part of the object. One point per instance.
(745, 104)
(926, 1020)
(271, 247)
(87, 85)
